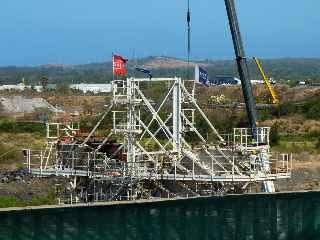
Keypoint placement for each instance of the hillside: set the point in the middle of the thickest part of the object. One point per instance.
(285, 69)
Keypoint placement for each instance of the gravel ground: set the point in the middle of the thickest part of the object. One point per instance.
(23, 186)
(305, 176)
(20, 104)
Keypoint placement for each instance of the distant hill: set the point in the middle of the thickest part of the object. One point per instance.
(291, 68)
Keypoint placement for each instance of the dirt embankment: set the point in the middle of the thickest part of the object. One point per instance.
(21, 104)
(71, 104)
(305, 176)
(15, 104)
(294, 125)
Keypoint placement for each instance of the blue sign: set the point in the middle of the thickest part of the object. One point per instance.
(201, 76)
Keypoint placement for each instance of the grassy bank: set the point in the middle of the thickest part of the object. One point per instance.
(8, 125)
(12, 201)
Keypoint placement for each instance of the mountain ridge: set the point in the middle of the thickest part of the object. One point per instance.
(282, 68)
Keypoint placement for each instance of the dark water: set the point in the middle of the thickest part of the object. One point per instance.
(285, 216)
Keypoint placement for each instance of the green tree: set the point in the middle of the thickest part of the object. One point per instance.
(44, 82)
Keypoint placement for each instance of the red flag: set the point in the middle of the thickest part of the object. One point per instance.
(119, 65)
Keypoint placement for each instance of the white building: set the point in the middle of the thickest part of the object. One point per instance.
(18, 87)
(95, 88)
(84, 87)
(257, 82)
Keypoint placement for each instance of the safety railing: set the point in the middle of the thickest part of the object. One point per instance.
(99, 166)
(120, 123)
(55, 131)
(243, 137)
(119, 91)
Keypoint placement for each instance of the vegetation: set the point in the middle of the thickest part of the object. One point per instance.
(63, 89)
(11, 145)
(11, 126)
(309, 109)
(13, 201)
(318, 143)
(274, 135)
(294, 122)
(280, 69)
(15, 136)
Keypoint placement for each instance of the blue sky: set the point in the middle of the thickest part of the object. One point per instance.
(36, 32)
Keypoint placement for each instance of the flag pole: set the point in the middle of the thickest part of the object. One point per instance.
(112, 66)
(113, 76)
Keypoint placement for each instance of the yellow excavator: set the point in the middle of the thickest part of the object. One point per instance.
(274, 96)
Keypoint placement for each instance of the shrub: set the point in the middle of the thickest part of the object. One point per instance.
(318, 143)
(10, 126)
(314, 111)
(63, 89)
(285, 108)
(12, 201)
(8, 153)
(274, 135)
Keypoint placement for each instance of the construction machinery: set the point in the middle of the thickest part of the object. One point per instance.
(267, 83)
(242, 64)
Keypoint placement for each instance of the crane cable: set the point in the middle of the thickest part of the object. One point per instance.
(189, 31)
(189, 45)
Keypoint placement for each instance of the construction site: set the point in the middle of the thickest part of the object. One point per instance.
(149, 154)
(155, 149)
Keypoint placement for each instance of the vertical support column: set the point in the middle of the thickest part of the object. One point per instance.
(268, 186)
(41, 162)
(47, 130)
(177, 123)
(130, 125)
(29, 159)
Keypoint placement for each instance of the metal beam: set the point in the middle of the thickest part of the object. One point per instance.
(159, 108)
(202, 113)
(242, 64)
(97, 125)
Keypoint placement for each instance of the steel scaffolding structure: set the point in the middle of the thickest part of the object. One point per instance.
(160, 151)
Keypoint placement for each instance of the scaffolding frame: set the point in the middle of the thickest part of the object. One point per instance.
(156, 149)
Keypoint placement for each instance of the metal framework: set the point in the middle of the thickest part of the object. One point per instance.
(160, 151)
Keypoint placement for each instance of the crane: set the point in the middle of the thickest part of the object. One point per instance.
(266, 81)
(240, 59)
(242, 65)
(268, 186)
